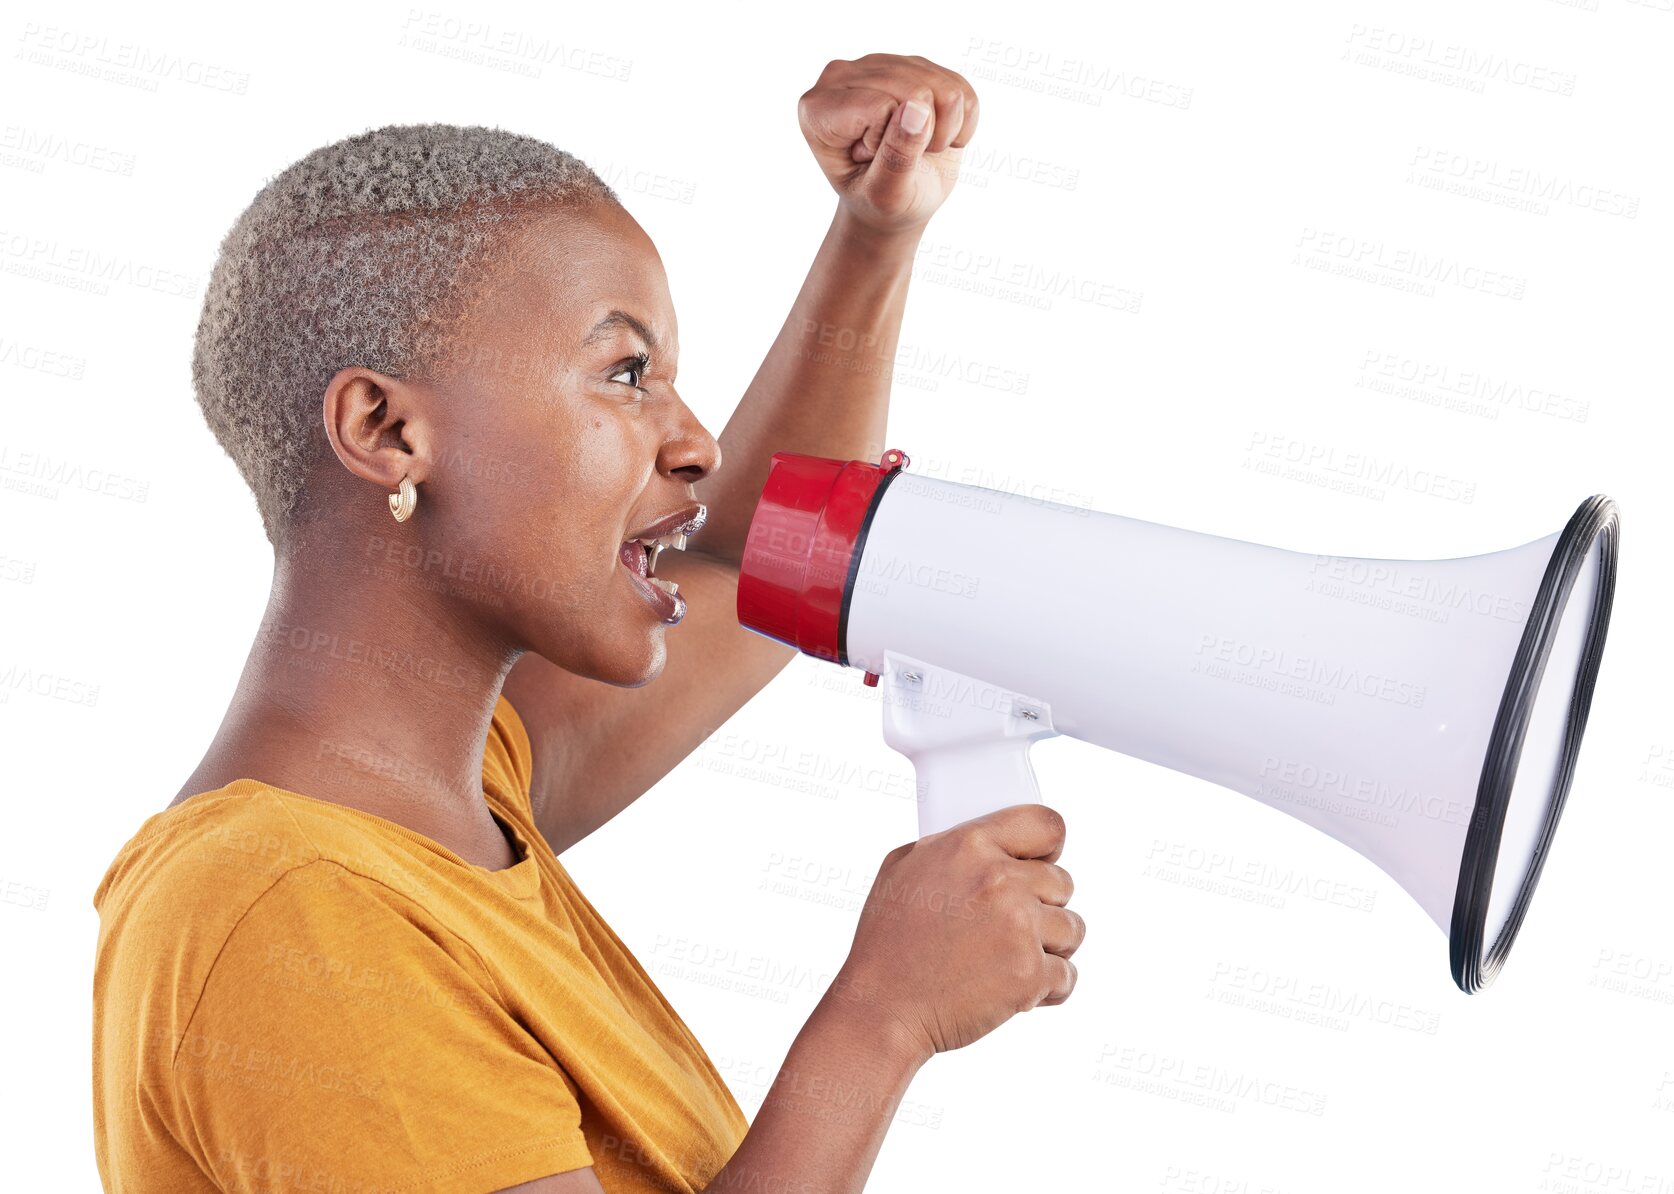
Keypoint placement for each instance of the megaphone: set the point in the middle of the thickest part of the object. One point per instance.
(1425, 713)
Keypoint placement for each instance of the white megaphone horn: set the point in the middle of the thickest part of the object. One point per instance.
(1426, 713)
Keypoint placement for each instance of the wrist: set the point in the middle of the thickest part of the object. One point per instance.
(852, 1009)
(856, 234)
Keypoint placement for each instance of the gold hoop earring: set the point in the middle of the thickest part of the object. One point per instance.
(403, 503)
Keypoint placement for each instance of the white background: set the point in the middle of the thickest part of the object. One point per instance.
(1188, 167)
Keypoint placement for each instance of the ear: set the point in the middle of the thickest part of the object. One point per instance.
(379, 426)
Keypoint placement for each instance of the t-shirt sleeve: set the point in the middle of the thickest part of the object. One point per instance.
(342, 1042)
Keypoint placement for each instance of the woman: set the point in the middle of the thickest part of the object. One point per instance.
(346, 958)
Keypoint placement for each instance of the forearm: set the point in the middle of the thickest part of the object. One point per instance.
(823, 388)
(820, 1127)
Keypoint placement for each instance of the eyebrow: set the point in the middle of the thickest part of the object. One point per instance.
(621, 319)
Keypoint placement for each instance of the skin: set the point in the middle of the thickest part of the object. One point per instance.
(537, 448)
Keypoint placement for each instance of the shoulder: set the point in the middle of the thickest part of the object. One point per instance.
(219, 850)
(342, 1026)
(332, 931)
(177, 891)
(180, 889)
(205, 859)
(208, 858)
(167, 906)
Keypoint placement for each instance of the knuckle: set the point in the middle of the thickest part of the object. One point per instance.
(1067, 986)
(1054, 821)
(894, 160)
(969, 848)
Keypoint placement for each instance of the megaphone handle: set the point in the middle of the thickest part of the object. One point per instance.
(960, 783)
(968, 740)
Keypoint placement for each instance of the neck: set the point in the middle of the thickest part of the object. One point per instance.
(366, 688)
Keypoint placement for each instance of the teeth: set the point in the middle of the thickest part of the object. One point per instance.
(655, 547)
(667, 586)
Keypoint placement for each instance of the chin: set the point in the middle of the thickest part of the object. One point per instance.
(637, 667)
(653, 669)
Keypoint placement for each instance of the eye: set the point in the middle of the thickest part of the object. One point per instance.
(636, 365)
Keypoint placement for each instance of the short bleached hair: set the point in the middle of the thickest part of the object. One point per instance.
(362, 253)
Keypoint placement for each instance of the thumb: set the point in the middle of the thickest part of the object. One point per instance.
(904, 142)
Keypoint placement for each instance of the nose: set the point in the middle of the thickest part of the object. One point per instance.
(689, 454)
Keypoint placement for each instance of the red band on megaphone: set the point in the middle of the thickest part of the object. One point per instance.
(803, 546)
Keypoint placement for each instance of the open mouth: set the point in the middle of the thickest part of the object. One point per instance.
(639, 556)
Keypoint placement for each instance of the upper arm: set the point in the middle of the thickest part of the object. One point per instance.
(597, 747)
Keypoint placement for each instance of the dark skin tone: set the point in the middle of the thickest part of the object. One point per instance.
(553, 433)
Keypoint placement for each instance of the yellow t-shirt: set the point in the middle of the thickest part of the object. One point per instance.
(293, 995)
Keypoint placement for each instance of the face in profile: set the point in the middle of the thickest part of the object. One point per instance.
(552, 434)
